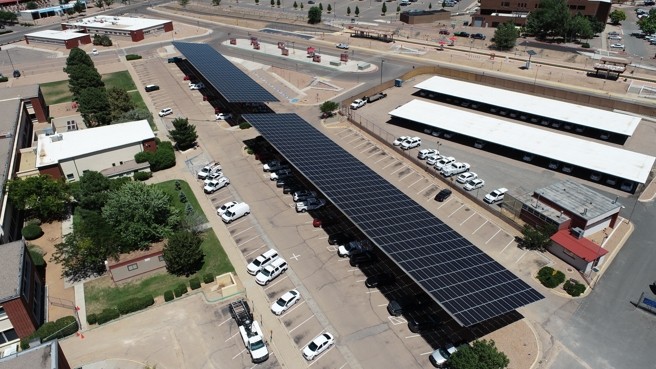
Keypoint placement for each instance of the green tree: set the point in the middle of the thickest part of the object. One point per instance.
(597, 25)
(505, 36)
(321, 7)
(278, 3)
(184, 134)
(108, 2)
(183, 254)
(481, 354)
(329, 8)
(78, 7)
(216, 2)
(40, 197)
(99, 4)
(8, 17)
(647, 24)
(94, 107)
(579, 27)
(81, 77)
(78, 56)
(314, 15)
(357, 11)
(536, 238)
(430, 6)
(183, 3)
(328, 106)
(140, 214)
(295, 5)
(92, 190)
(79, 258)
(257, 2)
(31, 5)
(301, 6)
(550, 19)
(119, 102)
(136, 114)
(443, 4)
(348, 11)
(273, 3)
(616, 16)
(90, 224)
(383, 10)
(398, 9)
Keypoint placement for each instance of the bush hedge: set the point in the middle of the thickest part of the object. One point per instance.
(162, 158)
(585, 45)
(208, 278)
(180, 290)
(142, 157)
(92, 318)
(4, 79)
(136, 304)
(142, 176)
(244, 125)
(551, 278)
(32, 232)
(107, 315)
(168, 296)
(132, 57)
(574, 288)
(60, 328)
(194, 283)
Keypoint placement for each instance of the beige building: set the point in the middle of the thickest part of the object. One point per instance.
(495, 12)
(108, 149)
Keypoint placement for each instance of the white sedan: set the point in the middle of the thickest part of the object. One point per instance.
(318, 345)
(225, 207)
(466, 177)
(474, 184)
(616, 46)
(285, 302)
(342, 46)
(400, 140)
(164, 112)
(223, 116)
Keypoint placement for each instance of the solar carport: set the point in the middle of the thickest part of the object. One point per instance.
(610, 160)
(234, 86)
(468, 284)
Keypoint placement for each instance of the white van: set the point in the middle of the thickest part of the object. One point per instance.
(271, 271)
(235, 212)
(261, 261)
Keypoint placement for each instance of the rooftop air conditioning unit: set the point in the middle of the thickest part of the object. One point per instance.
(577, 232)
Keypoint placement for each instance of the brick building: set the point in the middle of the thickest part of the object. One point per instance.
(495, 12)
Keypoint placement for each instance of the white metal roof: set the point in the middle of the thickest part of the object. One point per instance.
(566, 149)
(117, 23)
(577, 114)
(57, 35)
(66, 145)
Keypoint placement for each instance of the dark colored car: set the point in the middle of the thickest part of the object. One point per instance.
(406, 303)
(150, 88)
(443, 195)
(461, 34)
(283, 179)
(423, 323)
(362, 258)
(328, 114)
(290, 187)
(175, 59)
(339, 239)
(380, 280)
(444, 32)
(478, 36)
(17, 73)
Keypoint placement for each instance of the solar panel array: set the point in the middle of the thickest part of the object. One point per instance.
(235, 85)
(465, 282)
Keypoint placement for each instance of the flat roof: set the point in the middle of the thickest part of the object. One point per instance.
(11, 264)
(578, 199)
(43, 356)
(117, 23)
(567, 112)
(57, 35)
(563, 148)
(61, 146)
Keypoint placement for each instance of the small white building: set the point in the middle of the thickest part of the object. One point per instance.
(134, 28)
(107, 149)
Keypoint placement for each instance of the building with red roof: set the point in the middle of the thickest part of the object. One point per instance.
(576, 250)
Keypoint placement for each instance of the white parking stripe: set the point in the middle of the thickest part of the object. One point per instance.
(231, 337)
(280, 279)
(440, 207)
(322, 355)
(355, 139)
(292, 308)
(240, 232)
(455, 211)
(375, 153)
(463, 222)
(233, 224)
(248, 240)
(402, 167)
(407, 175)
(502, 250)
(424, 189)
(499, 230)
(303, 322)
(415, 182)
(254, 251)
(426, 353)
(384, 157)
(393, 161)
(481, 226)
(520, 258)
(225, 321)
(239, 354)
(365, 142)
(413, 336)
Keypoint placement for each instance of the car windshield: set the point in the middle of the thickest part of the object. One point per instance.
(281, 302)
(258, 261)
(266, 272)
(257, 345)
(445, 354)
(313, 346)
(229, 214)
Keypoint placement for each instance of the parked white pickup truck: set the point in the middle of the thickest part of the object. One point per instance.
(254, 342)
(357, 104)
(455, 168)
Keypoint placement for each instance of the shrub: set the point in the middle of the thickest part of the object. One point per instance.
(142, 176)
(182, 197)
(163, 158)
(37, 256)
(574, 288)
(4, 79)
(132, 57)
(180, 290)
(550, 278)
(168, 296)
(244, 125)
(60, 328)
(107, 315)
(585, 45)
(208, 278)
(136, 304)
(32, 232)
(92, 318)
(142, 157)
(194, 283)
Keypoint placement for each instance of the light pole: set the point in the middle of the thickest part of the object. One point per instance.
(382, 61)
(530, 54)
(535, 80)
(10, 62)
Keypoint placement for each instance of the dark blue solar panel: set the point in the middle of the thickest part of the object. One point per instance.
(467, 283)
(235, 85)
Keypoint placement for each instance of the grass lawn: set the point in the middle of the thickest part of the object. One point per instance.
(119, 79)
(169, 188)
(56, 92)
(136, 98)
(101, 293)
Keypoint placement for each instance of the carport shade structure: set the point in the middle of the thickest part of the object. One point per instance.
(468, 284)
(231, 82)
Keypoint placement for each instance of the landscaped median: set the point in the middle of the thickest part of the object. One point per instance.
(552, 278)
